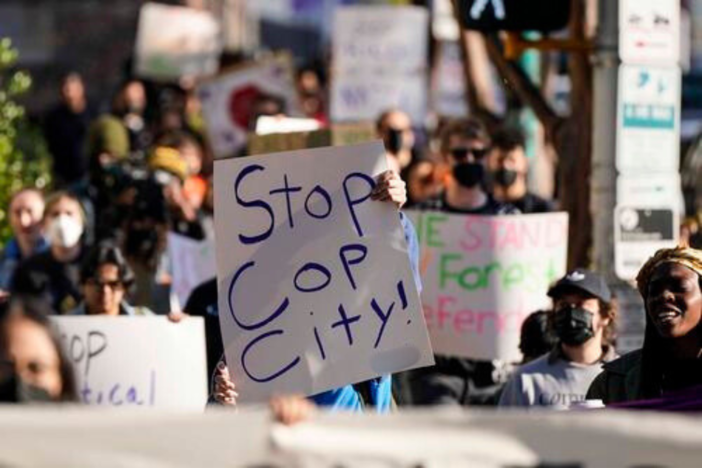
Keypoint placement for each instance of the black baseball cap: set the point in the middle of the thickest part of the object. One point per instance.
(582, 280)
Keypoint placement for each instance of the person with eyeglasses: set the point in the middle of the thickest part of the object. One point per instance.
(105, 277)
(464, 147)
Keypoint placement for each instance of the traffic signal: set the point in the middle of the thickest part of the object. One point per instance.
(514, 15)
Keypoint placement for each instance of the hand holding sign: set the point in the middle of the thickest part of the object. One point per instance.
(306, 300)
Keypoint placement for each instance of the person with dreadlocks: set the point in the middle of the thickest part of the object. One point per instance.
(671, 357)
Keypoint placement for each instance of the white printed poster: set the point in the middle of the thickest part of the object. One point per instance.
(229, 100)
(193, 263)
(379, 62)
(137, 361)
(649, 31)
(648, 119)
(449, 87)
(174, 42)
(483, 275)
(315, 285)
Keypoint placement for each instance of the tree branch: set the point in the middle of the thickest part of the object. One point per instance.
(516, 79)
(477, 106)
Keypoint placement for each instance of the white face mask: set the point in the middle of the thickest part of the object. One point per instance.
(65, 231)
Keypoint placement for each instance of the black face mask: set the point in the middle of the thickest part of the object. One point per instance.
(141, 243)
(505, 177)
(394, 140)
(469, 175)
(15, 390)
(573, 325)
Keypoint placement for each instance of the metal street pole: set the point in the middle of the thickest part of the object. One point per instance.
(603, 183)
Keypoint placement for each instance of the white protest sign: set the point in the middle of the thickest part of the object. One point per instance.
(648, 119)
(228, 100)
(649, 31)
(449, 89)
(266, 125)
(175, 41)
(483, 275)
(137, 361)
(379, 62)
(315, 286)
(193, 263)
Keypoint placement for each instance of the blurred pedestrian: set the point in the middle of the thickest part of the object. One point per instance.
(455, 380)
(395, 129)
(66, 128)
(464, 146)
(33, 367)
(509, 168)
(54, 274)
(536, 337)
(583, 319)
(130, 106)
(105, 277)
(670, 284)
(26, 211)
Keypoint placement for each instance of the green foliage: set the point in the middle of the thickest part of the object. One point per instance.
(24, 157)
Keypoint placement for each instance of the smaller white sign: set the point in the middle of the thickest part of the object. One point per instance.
(266, 125)
(188, 45)
(379, 62)
(137, 361)
(649, 31)
(648, 119)
(193, 263)
(638, 232)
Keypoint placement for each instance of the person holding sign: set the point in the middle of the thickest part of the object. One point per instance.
(376, 393)
(670, 283)
(465, 145)
(105, 276)
(583, 320)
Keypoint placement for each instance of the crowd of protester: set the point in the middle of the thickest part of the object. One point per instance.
(126, 176)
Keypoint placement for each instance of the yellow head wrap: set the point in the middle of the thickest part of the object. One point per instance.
(686, 256)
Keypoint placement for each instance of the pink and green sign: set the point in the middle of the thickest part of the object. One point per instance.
(483, 275)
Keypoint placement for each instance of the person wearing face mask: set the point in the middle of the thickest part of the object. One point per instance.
(395, 129)
(26, 210)
(55, 273)
(464, 147)
(33, 366)
(583, 321)
(509, 167)
(670, 361)
(457, 380)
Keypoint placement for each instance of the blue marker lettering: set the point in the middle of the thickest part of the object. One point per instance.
(346, 322)
(346, 262)
(230, 301)
(312, 266)
(287, 190)
(325, 195)
(255, 203)
(273, 376)
(353, 202)
(383, 318)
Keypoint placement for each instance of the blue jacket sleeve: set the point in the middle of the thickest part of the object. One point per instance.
(412, 248)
